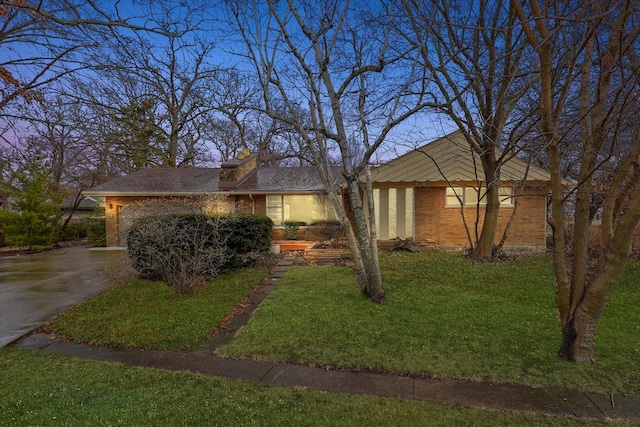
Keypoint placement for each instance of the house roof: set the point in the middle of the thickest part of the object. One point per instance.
(85, 204)
(283, 180)
(182, 181)
(451, 153)
(451, 157)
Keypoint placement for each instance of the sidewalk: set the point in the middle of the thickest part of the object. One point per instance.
(500, 396)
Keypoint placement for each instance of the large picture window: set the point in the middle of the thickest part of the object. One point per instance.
(471, 196)
(298, 207)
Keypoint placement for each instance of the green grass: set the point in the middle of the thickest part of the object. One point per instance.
(38, 388)
(445, 316)
(147, 314)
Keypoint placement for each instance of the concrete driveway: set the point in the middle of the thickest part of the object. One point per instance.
(35, 288)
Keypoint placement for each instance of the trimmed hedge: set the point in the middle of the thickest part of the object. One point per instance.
(249, 233)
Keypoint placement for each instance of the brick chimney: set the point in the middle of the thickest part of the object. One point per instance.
(235, 171)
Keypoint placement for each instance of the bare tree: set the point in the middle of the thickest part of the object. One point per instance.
(118, 121)
(176, 74)
(275, 142)
(41, 42)
(590, 49)
(42, 46)
(57, 135)
(335, 72)
(476, 56)
(238, 122)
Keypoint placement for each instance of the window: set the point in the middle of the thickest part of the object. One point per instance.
(298, 207)
(274, 209)
(470, 195)
(393, 212)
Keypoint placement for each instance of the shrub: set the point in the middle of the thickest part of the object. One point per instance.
(75, 231)
(249, 233)
(26, 229)
(97, 231)
(291, 229)
(248, 237)
(7, 223)
(184, 250)
(331, 230)
(187, 250)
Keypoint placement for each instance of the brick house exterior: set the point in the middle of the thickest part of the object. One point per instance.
(240, 182)
(116, 224)
(443, 225)
(414, 195)
(430, 177)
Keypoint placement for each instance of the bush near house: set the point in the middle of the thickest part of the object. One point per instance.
(248, 233)
(75, 231)
(187, 250)
(291, 229)
(328, 230)
(97, 231)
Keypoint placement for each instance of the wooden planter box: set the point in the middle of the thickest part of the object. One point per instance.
(294, 246)
(326, 254)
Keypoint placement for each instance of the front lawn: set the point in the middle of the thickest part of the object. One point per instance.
(146, 314)
(37, 388)
(444, 316)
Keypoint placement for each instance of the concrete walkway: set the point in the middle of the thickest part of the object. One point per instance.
(501, 396)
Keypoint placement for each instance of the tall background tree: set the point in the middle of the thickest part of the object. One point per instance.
(589, 70)
(477, 59)
(336, 72)
(109, 88)
(42, 42)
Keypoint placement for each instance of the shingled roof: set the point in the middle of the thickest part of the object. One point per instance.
(452, 155)
(190, 181)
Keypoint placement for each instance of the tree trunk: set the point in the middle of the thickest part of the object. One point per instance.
(582, 295)
(371, 281)
(360, 243)
(505, 234)
(484, 247)
(579, 331)
(578, 338)
(338, 205)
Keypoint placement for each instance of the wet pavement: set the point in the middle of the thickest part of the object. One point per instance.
(36, 287)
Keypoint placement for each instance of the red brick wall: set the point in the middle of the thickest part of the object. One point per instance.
(433, 221)
(444, 225)
(111, 215)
